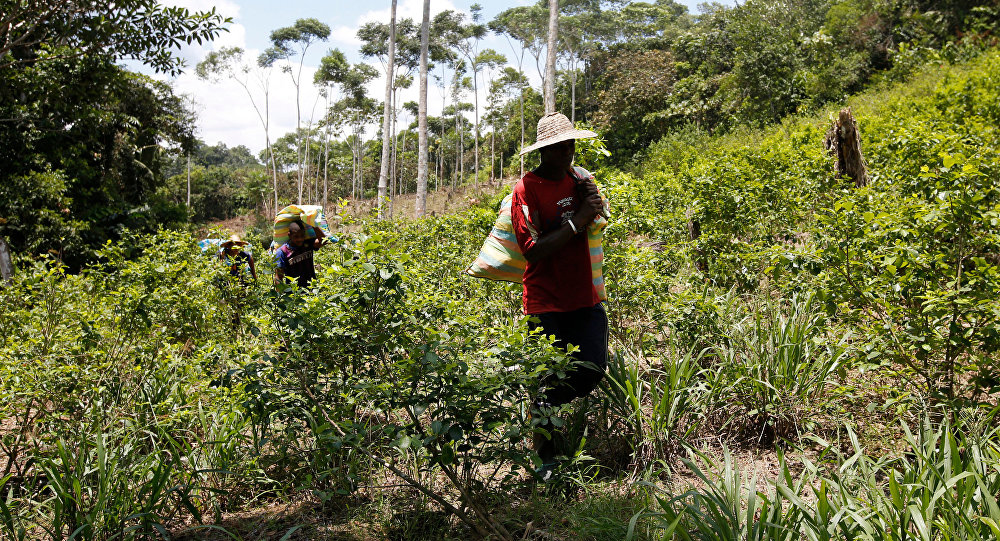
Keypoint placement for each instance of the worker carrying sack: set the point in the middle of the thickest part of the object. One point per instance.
(310, 215)
(500, 258)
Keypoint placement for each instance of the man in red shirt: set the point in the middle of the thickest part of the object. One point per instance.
(550, 211)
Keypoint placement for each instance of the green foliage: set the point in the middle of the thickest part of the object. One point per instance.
(142, 30)
(590, 153)
(913, 259)
(150, 390)
(105, 364)
(94, 149)
(677, 396)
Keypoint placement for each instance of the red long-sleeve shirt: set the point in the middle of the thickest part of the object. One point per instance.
(561, 282)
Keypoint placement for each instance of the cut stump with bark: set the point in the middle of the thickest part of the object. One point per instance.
(843, 142)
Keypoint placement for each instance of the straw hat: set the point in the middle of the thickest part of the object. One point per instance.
(555, 128)
(234, 239)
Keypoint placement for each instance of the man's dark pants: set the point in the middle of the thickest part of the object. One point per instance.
(586, 328)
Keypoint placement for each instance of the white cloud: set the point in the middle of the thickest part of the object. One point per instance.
(345, 35)
(412, 9)
(226, 114)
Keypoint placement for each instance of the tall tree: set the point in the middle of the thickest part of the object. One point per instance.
(333, 70)
(420, 205)
(80, 137)
(523, 24)
(359, 110)
(488, 60)
(229, 62)
(397, 66)
(286, 42)
(550, 58)
(468, 46)
(383, 176)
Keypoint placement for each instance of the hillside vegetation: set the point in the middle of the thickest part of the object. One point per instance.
(847, 333)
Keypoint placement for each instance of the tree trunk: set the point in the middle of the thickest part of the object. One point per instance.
(392, 161)
(475, 90)
(572, 99)
(421, 200)
(189, 181)
(383, 176)
(521, 104)
(305, 159)
(326, 156)
(461, 151)
(843, 142)
(550, 59)
(6, 266)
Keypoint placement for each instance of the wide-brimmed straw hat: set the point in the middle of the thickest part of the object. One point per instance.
(233, 239)
(556, 128)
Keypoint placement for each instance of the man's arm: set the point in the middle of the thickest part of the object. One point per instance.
(319, 238)
(551, 242)
(253, 267)
(279, 272)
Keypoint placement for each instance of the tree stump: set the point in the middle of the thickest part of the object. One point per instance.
(843, 142)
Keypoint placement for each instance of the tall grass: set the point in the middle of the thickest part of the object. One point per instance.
(658, 408)
(943, 486)
(773, 363)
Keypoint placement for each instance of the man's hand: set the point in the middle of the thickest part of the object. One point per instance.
(591, 201)
(587, 187)
(589, 209)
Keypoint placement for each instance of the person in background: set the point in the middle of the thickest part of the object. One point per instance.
(295, 257)
(240, 262)
(550, 213)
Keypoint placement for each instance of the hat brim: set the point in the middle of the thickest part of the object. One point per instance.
(564, 136)
(229, 243)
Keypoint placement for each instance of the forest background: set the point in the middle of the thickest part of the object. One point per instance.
(839, 332)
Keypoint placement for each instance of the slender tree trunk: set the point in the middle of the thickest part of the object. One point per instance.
(475, 89)
(521, 100)
(305, 157)
(267, 140)
(6, 266)
(392, 160)
(459, 148)
(189, 181)
(401, 164)
(444, 97)
(361, 161)
(572, 99)
(298, 134)
(420, 205)
(326, 156)
(550, 59)
(383, 176)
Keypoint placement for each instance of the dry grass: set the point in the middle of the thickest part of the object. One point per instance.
(439, 202)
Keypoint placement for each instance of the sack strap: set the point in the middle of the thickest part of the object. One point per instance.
(579, 174)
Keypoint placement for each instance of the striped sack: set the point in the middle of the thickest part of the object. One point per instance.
(501, 259)
(311, 215)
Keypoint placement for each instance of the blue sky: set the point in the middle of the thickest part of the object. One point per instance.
(225, 111)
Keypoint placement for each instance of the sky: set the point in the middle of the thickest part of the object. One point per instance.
(225, 111)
